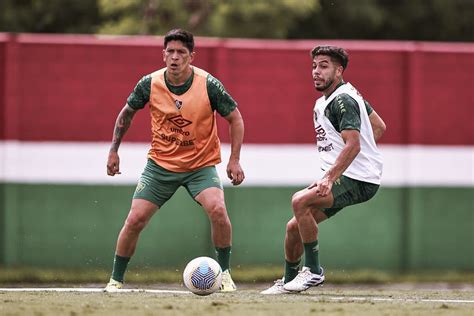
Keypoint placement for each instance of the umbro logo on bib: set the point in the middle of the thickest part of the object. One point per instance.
(179, 121)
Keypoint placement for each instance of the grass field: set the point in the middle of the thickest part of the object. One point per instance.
(395, 299)
(33, 291)
(242, 274)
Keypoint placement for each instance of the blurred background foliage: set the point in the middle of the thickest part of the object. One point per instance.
(429, 20)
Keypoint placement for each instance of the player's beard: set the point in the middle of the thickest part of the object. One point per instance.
(326, 86)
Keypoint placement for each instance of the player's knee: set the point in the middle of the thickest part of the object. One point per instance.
(298, 203)
(135, 223)
(292, 227)
(218, 214)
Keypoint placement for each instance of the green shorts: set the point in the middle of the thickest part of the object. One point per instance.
(347, 191)
(157, 184)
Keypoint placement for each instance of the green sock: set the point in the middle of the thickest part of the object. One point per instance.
(311, 256)
(291, 270)
(120, 265)
(223, 257)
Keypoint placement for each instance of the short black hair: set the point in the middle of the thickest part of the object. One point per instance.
(181, 35)
(337, 54)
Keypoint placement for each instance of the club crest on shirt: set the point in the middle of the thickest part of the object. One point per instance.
(179, 104)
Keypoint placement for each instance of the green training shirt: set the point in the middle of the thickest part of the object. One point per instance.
(343, 112)
(221, 101)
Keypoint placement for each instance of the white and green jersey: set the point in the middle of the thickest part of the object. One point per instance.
(346, 109)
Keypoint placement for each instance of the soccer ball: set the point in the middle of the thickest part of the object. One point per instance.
(202, 276)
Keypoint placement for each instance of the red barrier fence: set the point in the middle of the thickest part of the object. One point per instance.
(71, 87)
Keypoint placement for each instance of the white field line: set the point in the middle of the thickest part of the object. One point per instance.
(385, 299)
(332, 298)
(90, 290)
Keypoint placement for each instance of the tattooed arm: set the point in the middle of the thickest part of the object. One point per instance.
(122, 124)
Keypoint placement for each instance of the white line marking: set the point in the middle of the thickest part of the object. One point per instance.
(333, 298)
(384, 299)
(89, 290)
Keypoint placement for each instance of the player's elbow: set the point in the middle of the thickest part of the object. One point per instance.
(356, 148)
(382, 128)
(379, 130)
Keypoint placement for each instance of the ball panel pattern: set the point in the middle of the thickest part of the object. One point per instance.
(202, 276)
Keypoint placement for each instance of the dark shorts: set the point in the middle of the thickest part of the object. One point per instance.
(157, 184)
(347, 191)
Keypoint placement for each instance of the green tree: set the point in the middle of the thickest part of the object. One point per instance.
(258, 18)
(153, 16)
(339, 19)
(228, 18)
(433, 20)
(49, 16)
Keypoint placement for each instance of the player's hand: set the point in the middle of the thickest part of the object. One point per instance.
(113, 164)
(235, 172)
(324, 187)
(313, 185)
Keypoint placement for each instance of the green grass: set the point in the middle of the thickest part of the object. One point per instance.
(18, 275)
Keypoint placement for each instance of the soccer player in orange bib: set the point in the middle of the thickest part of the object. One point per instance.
(185, 148)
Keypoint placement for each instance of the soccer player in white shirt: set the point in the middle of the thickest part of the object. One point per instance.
(347, 129)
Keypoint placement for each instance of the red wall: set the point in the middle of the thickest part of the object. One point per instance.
(71, 87)
(2, 87)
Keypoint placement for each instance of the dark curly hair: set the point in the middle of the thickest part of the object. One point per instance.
(337, 54)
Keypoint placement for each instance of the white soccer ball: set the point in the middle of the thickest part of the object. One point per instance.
(203, 276)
